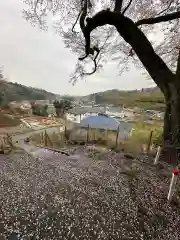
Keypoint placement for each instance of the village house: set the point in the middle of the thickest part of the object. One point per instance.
(78, 113)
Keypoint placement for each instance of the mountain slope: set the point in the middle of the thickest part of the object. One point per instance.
(16, 92)
(147, 98)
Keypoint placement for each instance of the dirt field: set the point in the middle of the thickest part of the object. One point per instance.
(91, 195)
(7, 121)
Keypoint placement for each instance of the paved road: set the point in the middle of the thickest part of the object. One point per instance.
(18, 140)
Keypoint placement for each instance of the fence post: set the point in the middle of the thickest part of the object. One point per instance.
(172, 184)
(88, 134)
(150, 140)
(4, 141)
(49, 139)
(60, 137)
(157, 155)
(41, 138)
(94, 134)
(2, 146)
(107, 131)
(65, 133)
(117, 135)
(53, 138)
(45, 138)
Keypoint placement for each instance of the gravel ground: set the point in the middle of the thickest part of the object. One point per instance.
(89, 195)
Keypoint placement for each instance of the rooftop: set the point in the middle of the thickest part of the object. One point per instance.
(83, 110)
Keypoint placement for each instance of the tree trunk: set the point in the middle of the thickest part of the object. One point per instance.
(167, 124)
(175, 114)
(171, 134)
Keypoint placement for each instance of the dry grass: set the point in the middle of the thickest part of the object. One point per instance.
(5, 142)
(8, 121)
(52, 140)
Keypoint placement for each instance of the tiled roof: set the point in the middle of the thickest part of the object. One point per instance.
(83, 110)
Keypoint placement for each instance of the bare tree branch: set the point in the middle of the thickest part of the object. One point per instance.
(83, 15)
(73, 27)
(37, 13)
(118, 5)
(42, 11)
(95, 63)
(87, 3)
(91, 25)
(82, 26)
(164, 18)
(126, 8)
(178, 67)
(138, 41)
(167, 8)
(97, 54)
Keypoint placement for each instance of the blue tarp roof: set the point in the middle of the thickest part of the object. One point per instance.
(105, 122)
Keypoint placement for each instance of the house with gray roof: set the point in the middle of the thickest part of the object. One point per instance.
(78, 113)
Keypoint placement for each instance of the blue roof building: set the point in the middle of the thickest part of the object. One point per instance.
(105, 122)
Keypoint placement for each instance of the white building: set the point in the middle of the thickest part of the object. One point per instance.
(77, 114)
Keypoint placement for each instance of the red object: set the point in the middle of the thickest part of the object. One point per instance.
(175, 172)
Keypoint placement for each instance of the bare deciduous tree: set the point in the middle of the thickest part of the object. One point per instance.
(120, 30)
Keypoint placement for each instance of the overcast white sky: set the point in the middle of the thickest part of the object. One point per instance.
(39, 59)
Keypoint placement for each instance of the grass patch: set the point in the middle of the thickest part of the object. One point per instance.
(49, 140)
(141, 135)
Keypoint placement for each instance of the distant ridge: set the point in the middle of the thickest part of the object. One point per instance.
(146, 98)
(10, 91)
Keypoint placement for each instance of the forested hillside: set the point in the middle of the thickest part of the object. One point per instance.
(148, 98)
(16, 92)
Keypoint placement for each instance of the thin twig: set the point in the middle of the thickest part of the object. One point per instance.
(126, 8)
(76, 22)
(164, 18)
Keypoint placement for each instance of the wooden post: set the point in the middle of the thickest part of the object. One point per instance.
(1, 149)
(172, 184)
(4, 142)
(107, 131)
(49, 140)
(150, 140)
(157, 155)
(60, 136)
(45, 138)
(88, 134)
(117, 135)
(54, 138)
(94, 134)
(42, 138)
(65, 133)
(2, 146)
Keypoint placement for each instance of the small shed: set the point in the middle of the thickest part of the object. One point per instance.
(106, 122)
